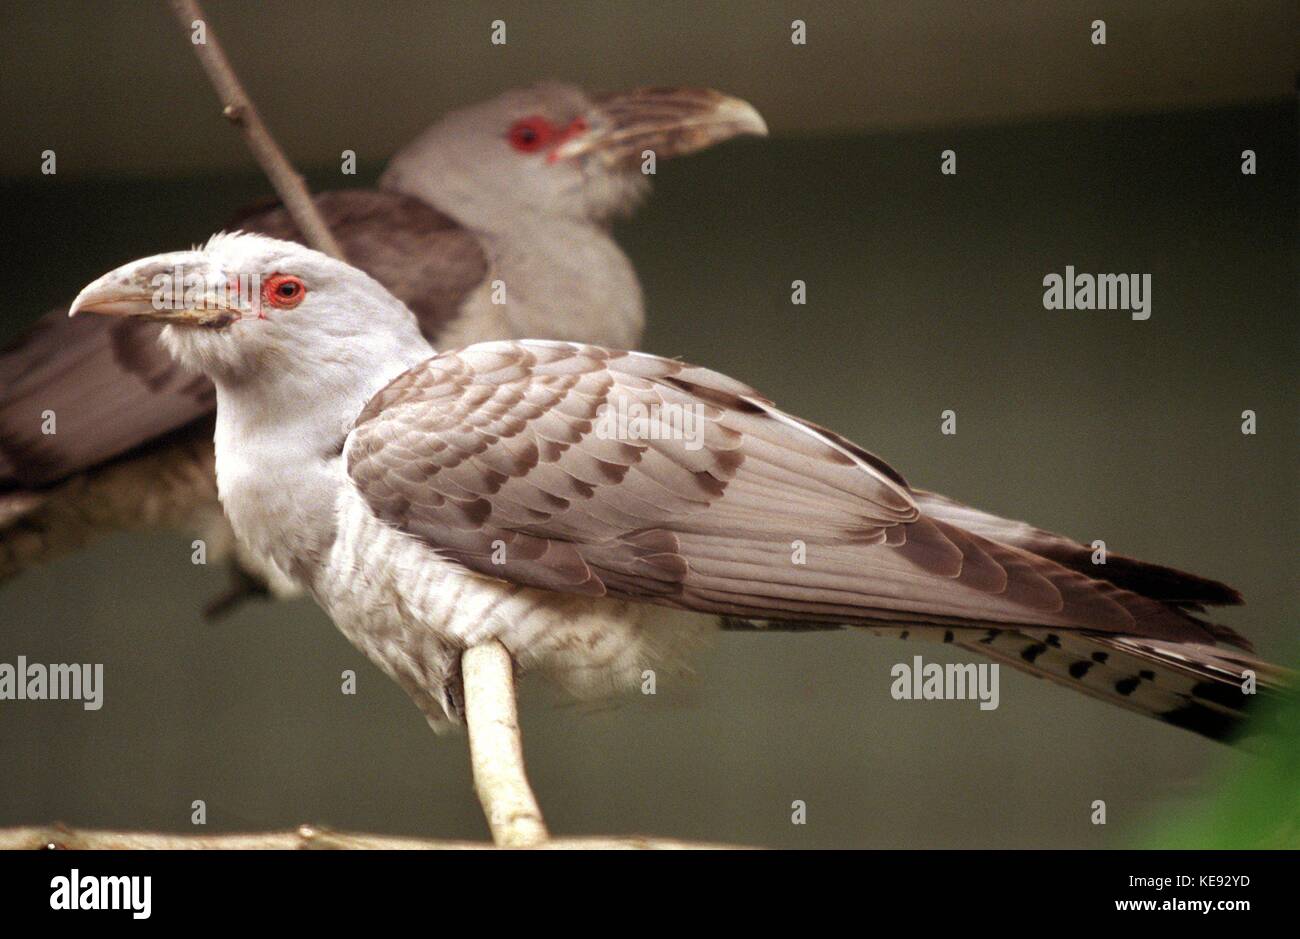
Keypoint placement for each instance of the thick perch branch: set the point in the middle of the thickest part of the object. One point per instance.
(305, 837)
(496, 750)
(238, 108)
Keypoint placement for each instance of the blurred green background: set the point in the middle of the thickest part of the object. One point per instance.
(925, 293)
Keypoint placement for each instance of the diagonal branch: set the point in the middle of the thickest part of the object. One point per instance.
(238, 109)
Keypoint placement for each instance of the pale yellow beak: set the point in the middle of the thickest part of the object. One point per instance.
(180, 287)
(668, 121)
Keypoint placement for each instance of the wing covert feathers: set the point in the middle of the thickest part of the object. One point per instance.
(747, 512)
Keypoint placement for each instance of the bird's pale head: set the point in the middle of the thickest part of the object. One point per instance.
(552, 150)
(244, 307)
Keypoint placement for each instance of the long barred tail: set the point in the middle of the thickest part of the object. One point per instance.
(1202, 681)
(1209, 689)
(1202, 686)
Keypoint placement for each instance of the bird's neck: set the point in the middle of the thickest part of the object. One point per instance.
(563, 277)
(279, 453)
(554, 279)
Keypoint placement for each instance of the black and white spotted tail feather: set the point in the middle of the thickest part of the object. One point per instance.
(1196, 686)
(1200, 687)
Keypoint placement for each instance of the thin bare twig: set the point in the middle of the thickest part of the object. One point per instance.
(238, 109)
(496, 749)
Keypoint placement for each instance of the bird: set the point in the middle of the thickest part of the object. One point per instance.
(600, 512)
(492, 224)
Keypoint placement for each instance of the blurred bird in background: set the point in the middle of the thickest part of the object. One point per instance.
(493, 224)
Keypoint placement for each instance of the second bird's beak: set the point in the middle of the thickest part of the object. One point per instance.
(668, 121)
(181, 287)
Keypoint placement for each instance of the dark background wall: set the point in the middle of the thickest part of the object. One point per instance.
(925, 293)
(114, 84)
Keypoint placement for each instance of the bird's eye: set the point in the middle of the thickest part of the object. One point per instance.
(284, 291)
(530, 134)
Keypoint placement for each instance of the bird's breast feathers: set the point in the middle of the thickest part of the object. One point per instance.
(412, 611)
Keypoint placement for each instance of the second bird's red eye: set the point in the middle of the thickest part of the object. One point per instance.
(530, 134)
(283, 291)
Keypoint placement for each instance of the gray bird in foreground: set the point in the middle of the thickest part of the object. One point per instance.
(493, 224)
(599, 511)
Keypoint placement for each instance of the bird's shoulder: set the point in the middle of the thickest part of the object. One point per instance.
(555, 362)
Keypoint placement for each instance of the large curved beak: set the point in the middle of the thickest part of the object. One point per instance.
(668, 121)
(180, 287)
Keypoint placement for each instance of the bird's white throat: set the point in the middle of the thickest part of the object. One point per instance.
(279, 450)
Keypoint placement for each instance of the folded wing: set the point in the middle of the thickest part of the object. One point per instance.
(583, 470)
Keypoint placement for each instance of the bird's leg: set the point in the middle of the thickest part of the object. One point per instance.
(496, 748)
(244, 586)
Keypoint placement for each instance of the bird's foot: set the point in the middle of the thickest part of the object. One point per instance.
(244, 586)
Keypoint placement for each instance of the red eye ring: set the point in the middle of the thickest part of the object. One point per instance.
(283, 291)
(530, 134)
